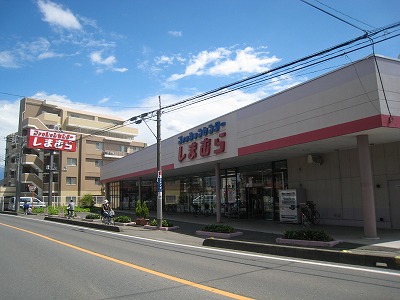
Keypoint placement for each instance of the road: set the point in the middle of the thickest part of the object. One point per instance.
(46, 260)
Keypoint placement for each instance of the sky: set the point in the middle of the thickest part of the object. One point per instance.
(119, 57)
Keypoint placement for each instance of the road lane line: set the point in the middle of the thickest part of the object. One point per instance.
(130, 265)
(240, 253)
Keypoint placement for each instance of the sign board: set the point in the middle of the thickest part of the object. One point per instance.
(32, 188)
(51, 140)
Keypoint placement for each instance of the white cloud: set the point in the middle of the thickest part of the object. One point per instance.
(7, 60)
(224, 62)
(164, 60)
(96, 58)
(197, 65)
(49, 54)
(121, 70)
(245, 61)
(175, 33)
(104, 100)
(56, 15)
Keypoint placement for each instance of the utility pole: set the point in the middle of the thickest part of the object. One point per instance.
(159, 171)
(19, 140)
(51, 169)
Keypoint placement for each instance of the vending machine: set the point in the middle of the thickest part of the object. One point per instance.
(289, 211)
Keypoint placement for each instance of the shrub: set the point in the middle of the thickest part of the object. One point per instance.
(166, 223)
(92, 216)
(308, 235)
(141, 210)
(123, 219)
(39, 210)
(145, 210)
(86, 201)
(219, 228)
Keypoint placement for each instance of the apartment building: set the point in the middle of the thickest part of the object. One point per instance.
(99, 140)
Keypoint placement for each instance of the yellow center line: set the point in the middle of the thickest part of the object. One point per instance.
(124, 263)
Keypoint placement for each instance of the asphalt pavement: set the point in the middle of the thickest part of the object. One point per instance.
(260, 236)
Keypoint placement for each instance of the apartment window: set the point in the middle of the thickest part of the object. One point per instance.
(71, 161)
(122, 148)
(71, 180)
(97, 163)
(99, 146)
(97, 180)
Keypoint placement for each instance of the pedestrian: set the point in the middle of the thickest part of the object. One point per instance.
(26, 207)
(71, 209)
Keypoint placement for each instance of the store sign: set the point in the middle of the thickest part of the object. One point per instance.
(203, 142)
(51, 140)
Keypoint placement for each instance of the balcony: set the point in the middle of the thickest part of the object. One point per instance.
(33, 160)
(32, 178)
(95, 126)
(113, 154)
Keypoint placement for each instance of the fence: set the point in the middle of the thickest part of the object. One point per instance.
(64, 200)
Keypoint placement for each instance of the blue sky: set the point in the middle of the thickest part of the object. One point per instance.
(116, 57)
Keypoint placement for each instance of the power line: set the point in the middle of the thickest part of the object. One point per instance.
(332, 15)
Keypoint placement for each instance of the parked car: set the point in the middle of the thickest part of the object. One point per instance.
(36, 202)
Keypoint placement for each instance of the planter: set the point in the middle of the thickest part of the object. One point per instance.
(142, 221)
(124, 224)
(161, 228)
(307, 243)
(218, 234)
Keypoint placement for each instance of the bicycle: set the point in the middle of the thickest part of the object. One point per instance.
(108, 218)
(170, 208)
(70, 214)
(309, 213)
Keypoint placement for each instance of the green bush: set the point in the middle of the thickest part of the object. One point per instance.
(92, 216)
(38, 210)
(219, 228)
(141, 210)
(123, 219)
(87, 201)
(308, 235)
(166, 223)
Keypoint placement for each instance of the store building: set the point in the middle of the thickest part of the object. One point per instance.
(74, 173)
(335, 137)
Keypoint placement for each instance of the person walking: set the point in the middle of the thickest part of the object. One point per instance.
(26, 207)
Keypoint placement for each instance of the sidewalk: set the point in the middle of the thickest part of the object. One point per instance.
(259, 236)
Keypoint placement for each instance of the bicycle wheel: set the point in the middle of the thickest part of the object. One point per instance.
(316, 217)
(305, 221)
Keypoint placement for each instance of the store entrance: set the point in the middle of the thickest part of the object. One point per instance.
(260, 186)
(254, 202)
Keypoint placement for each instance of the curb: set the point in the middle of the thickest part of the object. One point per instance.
(84, 224)
(335, 256)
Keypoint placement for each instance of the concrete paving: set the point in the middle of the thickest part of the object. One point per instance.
(260, 236)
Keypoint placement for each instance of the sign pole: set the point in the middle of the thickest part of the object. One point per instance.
(159, 172)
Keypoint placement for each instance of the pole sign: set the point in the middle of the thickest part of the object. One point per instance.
(51, 140)
(159, 182)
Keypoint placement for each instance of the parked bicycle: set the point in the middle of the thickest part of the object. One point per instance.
(309, 213)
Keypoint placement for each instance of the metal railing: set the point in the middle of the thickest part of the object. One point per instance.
(64, 200)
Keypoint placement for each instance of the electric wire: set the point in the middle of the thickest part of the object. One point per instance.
(332, 15)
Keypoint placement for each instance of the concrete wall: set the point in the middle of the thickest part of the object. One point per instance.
(335, 185)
